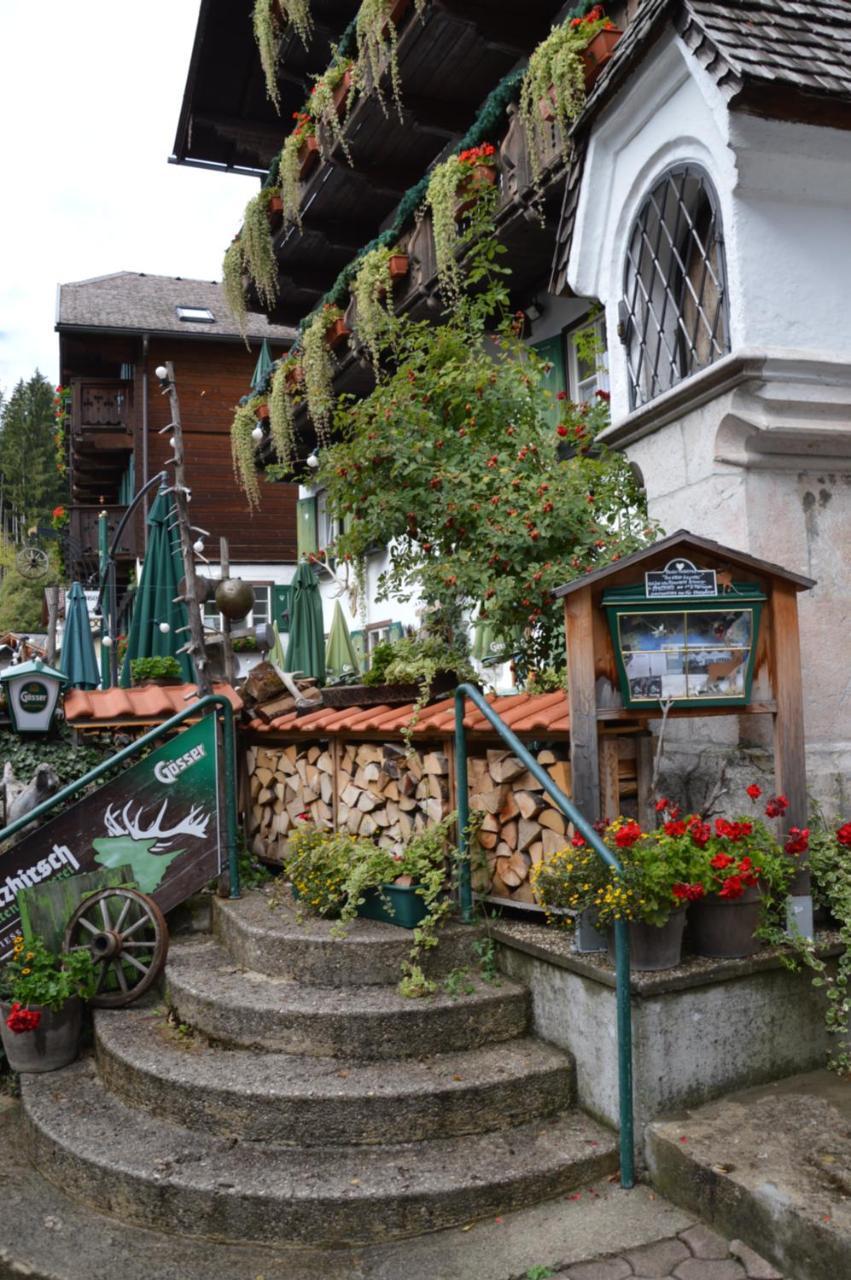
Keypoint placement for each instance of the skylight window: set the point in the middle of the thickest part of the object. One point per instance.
(195, 315)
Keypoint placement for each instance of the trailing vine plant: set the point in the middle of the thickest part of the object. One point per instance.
(378, 45)
(282, 415)
(318, 364)
(289, 167)
(555, 81)
(458, 181)
(257, 246)
(269, 19)
(371, 290)
(243, 450)
(323, 108)
(233, 267)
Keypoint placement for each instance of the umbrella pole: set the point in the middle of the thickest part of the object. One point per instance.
(195, 645)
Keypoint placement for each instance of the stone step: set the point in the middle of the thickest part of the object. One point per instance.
(236, 1006)
(283, 1098)
(272, 941)
(769, 1165)
(45, 1235)
(146, 1170)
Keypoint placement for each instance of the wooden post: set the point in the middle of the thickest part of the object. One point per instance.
(581, 697)
(52, 594)
(643, 775)
(790, 766)
(227, 643)
(610, 792)
(195, 647)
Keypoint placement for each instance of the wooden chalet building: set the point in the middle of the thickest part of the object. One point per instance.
(113, 333)
(693, 216)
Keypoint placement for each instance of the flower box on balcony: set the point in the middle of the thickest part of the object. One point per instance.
(337, 333)
(341, 93)
(597, 53)
(400, 264)
(275, 211)
(308, 156)
(481, 175)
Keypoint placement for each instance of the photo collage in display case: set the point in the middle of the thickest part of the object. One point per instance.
(697, 653)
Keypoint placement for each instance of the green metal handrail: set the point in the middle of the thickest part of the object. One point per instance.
(622, 975)
(217, 700)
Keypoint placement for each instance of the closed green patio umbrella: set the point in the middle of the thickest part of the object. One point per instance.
(78, 661)
(340, 656)
(262, 369)
(155, 595)
(306, 648)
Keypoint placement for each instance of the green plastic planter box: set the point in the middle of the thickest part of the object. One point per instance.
(408, 908)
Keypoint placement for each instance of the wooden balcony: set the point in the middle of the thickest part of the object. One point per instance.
(85, 522)
(105, 405)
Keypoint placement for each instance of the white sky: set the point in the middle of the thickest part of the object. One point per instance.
(89, 99)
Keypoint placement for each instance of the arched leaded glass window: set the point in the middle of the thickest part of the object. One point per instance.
(673, 318)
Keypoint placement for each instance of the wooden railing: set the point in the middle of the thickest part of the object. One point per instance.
(102, 404)
(85, 521)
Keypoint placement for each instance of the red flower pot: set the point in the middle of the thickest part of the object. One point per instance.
(337, 333)
(400, 264)
(262, 412)
(295, 377)
(275, 210)
(547, 105)
(597, 52)
(481, 175)
(308, 156)
(340, 95)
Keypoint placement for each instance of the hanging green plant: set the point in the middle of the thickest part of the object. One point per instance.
(291, 166)
(270, 19)
(553, 88)
(233, 269)
(318, 362)
(378, 42)
(282, 406)
(457, 187)
(258, 249)
(371, 290)
(244, 449)
(330, 102)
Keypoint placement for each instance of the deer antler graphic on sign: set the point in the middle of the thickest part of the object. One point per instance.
(194, 824)
(140, 842)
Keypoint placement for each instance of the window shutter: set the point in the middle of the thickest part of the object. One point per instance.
(397, 631)
(281, 607)
(306, 527)
(552, 350)
(359, 646)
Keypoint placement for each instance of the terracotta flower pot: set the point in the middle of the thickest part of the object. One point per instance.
(400, 265)
(308, 156)
(295, 377)
(597, 53)
(262, 413)
(723, 928)
(481, 175)
(653, 947)
(54, 1043)
(547, 105)
(337, 333)
(340, 95)
(275, 210)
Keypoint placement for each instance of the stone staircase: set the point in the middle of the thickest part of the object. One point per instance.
(295, 1101)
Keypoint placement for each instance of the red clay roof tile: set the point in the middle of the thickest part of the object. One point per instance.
(153, 702)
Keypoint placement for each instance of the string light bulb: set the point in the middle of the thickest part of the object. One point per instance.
(257, 434)
(312, 461)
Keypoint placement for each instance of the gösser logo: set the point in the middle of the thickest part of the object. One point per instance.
(33, 696)
(167, 771)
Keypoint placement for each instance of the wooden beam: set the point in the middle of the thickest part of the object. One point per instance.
(579, 630)
(610, 796)
(790, 765)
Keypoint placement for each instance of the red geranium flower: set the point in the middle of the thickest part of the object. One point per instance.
(674, 828)
(603, 395)
(21, 1020)
(687, 892)
(843, 835)
(701, 832)
(561, 429)
(754, 791)
(578, 841)
(661, 804)
(721, 860)
(733, 887)
(776, 807)
(798, 840)
(626, 837)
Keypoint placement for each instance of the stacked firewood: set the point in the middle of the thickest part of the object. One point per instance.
(521, 826)
(389, 793)
(287, 785)
(266, 696)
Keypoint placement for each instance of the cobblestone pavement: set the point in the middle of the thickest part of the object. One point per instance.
(695, 1254)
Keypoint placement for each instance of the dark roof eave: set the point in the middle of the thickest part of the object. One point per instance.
(184, 120)
(797, 580)
(180, 334)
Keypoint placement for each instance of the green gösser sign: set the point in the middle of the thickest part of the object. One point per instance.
(32, 692)
(34, 696)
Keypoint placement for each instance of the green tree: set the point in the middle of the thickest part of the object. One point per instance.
(21, 599)
(452, 463)
(31, 483)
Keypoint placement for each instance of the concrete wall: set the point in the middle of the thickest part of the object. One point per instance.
(690, 1043)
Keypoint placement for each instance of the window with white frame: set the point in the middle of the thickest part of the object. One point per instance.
(587, 360)
(378, 633)
(260, 614)
(673, 318)
(328, 527)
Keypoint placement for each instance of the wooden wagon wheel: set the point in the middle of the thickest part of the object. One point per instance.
(127, 935)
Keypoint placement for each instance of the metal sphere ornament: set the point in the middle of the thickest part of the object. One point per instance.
(234, 598)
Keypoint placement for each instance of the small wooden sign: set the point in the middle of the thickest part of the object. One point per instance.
(679, 578)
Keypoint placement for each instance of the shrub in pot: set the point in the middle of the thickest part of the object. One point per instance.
(41, 1000)
(341, 876)
(165, 670)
